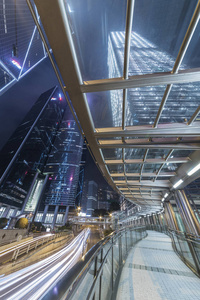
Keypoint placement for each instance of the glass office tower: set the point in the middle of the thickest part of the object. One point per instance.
(23, 158)
(62, 170)
(21, 48)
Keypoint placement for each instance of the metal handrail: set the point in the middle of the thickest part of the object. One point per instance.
(93, 265)
(186, 245)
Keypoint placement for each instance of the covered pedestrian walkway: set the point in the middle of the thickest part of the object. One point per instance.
(153, 271)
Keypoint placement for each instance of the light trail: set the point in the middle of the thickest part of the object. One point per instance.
(32, 282)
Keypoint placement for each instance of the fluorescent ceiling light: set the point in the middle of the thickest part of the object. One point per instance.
(163, 199)
(195, 169)
(178, 183)
(166, 195)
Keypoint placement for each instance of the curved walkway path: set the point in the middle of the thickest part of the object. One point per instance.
(153, 271)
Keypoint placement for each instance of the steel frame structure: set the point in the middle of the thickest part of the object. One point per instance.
(171, 136)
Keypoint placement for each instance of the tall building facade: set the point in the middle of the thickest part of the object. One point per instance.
(40, 162)
(23, 157)
(92, 197)
(62, 171)
(21, 48)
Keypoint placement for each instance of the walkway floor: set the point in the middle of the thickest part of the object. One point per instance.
(153, 271)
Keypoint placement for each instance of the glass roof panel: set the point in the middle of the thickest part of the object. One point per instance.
(155, 42)
(169, 167)
(134, 153)
(157, 153)
(133, 168)
(116, 168)
(91, 27)
(143, 104)
(151, 168)
(132, 178)
(182, 102)
(192, 56)
(112, 153)
(106, 108)
(181, 153)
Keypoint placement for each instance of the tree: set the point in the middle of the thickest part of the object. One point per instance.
(22, 223)
(3, 222)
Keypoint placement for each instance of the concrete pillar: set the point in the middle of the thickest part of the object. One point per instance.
(55, 215)
(29, 192)
(6, 211)
(66, 215)
(187, 211)
(44, 213)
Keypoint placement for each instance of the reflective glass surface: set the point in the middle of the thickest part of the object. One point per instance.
(133, 168)
(192, 56)
(151, 168)
(158, 153)
(91, 27)
(112, 153)
(181, 153)
(182, 102)
(169, 167)
(116, 168)
(134, 153)
(143, 104)
(155, 42)
(106, 108)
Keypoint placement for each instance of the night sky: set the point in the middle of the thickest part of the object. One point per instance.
(18, 100)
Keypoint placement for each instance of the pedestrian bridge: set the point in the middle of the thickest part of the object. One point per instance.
(137, 263)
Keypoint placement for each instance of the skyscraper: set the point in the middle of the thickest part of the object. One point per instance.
(62, 169)
(21, 47)
(92, 195)
(23, 157)
(41, 161)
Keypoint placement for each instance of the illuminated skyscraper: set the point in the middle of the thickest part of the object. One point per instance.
(143, 103)
(24, 156)
(62, 169)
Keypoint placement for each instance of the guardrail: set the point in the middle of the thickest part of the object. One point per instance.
(100, 273)
(186, 245)
(12, 253)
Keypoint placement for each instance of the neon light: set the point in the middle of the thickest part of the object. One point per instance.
(71, 178)
(16, 64)
(53, 98)
(60, 97)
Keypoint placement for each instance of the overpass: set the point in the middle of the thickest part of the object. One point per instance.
(130, 73)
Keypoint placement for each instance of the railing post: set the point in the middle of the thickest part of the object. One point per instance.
(100, 279)
(36, 244)
(194, 256)
(28, 248)
(112, 268)
(120, 249)
(126, 239)
(16, 254)
(95, 271)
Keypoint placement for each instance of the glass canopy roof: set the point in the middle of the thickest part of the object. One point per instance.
(131, 71)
